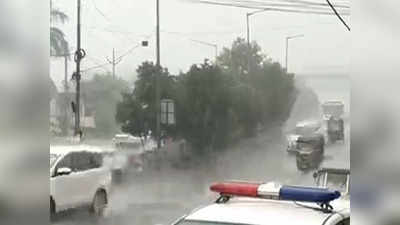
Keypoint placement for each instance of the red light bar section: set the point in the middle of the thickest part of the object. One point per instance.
(236, 188)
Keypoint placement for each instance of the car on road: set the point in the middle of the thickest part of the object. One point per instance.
(333, 117)
(337, 178)
(334, 108)
(128, 155)
(310, 151)
(302, 129)
(78, 179)
(243, 203)
(334, 129)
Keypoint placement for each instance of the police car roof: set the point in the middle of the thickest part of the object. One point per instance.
(65, 149)
(259, 211)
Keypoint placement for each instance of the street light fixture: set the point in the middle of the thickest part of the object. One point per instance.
(287, 48)
(248, 34)
(215, 46)
(248, 25)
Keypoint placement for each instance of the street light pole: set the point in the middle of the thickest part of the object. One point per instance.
(248, 34)
(157, 81)
(79, 55)
(287, 48)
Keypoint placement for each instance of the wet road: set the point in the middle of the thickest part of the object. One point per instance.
(161, 196)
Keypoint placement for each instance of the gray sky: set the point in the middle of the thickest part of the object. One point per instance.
(122, 24)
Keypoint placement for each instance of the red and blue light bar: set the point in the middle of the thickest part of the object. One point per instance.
(275, 191)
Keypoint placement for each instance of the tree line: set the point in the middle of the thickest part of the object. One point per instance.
(215, 103)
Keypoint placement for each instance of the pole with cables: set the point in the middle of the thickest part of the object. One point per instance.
(157, 77)
(79, 55)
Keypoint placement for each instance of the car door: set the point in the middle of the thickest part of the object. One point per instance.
(63, 186)
(81, 177)
(97, 173)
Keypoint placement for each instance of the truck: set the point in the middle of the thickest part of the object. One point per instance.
(310, 151)
(303, 129)
(334, 124)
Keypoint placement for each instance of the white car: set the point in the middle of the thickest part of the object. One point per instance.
(78, 179)
(242, 203)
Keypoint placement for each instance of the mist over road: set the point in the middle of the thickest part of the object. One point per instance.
(161, 196)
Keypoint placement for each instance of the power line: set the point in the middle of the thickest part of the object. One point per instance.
(303, 2)
(272, 8)
(286, 3)
(337, 14)
(100, 12)
(132, 48)
(95, 67)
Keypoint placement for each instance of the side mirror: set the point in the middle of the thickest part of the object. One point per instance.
(63, 171)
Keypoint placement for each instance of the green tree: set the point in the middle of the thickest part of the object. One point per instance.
(137, 111)
(204, 107)
(102, 94)
(265, 93)
(58, 44)
(240, 57)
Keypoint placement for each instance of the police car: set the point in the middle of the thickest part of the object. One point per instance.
(244, 203)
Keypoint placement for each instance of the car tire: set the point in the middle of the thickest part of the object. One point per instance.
(99, 204)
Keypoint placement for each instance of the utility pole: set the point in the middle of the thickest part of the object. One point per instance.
(114, 62)
(66, 87)
(79, 55)
(287, 49)
(157, 80)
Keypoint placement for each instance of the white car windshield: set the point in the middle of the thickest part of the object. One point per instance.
(196, 222)
(53, 159)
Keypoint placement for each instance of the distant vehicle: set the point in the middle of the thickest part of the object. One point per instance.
(302, 129)
(129, 153)
(267, 203)
(310, 151)
(332, 114)
(335, 129)
(334, 178)
(333, 108)
(78, 179)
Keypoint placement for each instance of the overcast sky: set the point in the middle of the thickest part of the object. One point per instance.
(122, 24)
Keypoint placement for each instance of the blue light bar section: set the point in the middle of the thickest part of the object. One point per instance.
(308, 194)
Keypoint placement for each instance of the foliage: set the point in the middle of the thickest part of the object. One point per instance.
(204, 106)
(214, 105)
(101, 94)
(137, 111)
(58, 44)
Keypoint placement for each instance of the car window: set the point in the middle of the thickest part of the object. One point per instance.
(81, 161)
(95, 160)
(65, 162)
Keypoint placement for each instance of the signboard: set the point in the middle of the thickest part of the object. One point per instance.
(167, 112)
